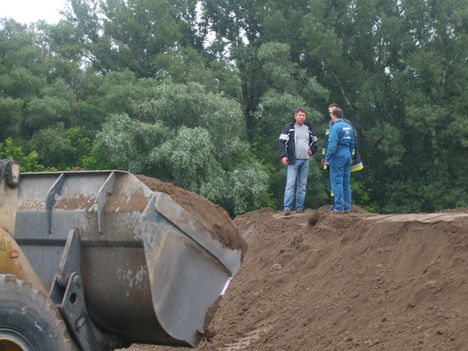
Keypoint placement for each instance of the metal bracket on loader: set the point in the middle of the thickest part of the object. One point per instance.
(68, 294)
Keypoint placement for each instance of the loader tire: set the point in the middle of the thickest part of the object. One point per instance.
(28, 320)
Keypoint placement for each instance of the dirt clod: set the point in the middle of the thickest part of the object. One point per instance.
(314, 218)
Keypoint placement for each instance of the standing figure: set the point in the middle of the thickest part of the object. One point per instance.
(340, 149)
(297, 143)
(356, 164)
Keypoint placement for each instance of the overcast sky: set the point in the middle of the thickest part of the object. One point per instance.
(27, 11)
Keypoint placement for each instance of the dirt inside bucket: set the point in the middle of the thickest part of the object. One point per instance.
(210, 215)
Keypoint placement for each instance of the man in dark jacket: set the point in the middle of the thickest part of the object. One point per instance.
(356, 165)
(297, 143)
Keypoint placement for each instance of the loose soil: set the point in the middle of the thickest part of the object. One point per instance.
(210, 215)
(358, 281)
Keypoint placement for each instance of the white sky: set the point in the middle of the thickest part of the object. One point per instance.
(27, 11)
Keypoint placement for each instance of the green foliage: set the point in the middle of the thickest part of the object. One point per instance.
(361, 195)
(196, 92)
(28, 162)
(193, 142)
(63, 148)
(10, 116)
(129, 141)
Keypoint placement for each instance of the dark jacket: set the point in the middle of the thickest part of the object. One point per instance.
(287, 146)
(357, 162)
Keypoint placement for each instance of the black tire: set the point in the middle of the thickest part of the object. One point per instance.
(29, 320)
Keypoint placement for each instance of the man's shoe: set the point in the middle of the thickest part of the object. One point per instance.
(337, 211)
(287, 213)
(330, 210)
(300, 210)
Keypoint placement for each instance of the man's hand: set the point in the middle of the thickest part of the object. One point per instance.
(322, 161)
(309, 152)
(285, 161)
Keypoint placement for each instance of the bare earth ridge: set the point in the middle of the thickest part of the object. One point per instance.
(361, 281)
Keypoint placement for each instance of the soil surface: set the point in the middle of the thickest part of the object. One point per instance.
(212, 216)
(358, 281)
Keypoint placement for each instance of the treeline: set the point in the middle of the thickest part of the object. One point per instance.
(195, 92)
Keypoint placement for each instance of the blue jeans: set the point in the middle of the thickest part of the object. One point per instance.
(340, 180)
(296, 178)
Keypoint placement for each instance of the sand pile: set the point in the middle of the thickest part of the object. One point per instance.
(347, 282)
(212, 216)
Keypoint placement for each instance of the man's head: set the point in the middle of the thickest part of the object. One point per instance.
(336, 114)
(331, 108)
(300, 116)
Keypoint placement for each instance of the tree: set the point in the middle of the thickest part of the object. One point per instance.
(28, 162)
(190, 137)
(175, 69)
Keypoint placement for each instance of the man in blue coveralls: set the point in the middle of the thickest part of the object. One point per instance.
(341, 143)
(356, 164)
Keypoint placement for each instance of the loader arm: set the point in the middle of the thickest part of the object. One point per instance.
(28, 318)
(12, 259)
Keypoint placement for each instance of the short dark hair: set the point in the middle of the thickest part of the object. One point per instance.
(299, 109)
(334, 105)
(337, 112)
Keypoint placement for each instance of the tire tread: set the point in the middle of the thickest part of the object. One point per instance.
(39, 301)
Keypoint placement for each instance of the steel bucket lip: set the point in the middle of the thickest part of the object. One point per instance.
(84, 171)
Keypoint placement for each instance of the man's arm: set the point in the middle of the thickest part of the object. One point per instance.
(355, 133)
(283, 145)
(325, 142)
(332, 144)
(353, 142)
(313, 140)
(313, 145)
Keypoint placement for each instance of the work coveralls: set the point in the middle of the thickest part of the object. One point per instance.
(356, 164)
(340, 149)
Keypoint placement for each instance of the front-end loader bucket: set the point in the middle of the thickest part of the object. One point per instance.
(150, 270)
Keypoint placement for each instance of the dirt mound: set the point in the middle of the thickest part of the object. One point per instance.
(212, 216)
(357, 281)
(458, 210)
(355, 209)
